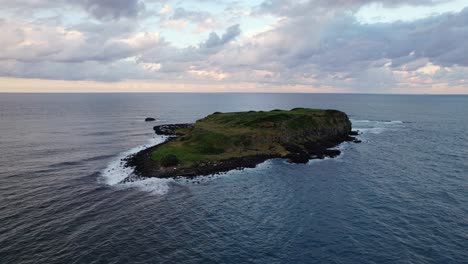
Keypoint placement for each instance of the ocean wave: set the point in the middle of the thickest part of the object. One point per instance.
(116, 172)
(206, 178)
(376, 121)
(314, 161)
(374, 126)
(372, 130)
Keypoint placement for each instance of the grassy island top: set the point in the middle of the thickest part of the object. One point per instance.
(222, 136)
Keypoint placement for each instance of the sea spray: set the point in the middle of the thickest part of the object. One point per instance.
(116, 172)
(374, 126)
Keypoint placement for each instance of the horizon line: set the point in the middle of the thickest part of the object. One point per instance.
(202, 92)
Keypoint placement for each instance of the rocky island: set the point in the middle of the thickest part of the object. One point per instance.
(225, 141)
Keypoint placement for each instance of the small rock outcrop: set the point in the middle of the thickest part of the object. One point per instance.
(171, 129)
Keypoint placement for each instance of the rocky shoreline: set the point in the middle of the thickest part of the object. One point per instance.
(145, 167)
(170, 129)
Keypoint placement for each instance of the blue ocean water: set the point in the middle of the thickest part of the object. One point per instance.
(401, 196)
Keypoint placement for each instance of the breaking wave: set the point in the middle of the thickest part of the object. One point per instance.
(374, 126)
(116, 172)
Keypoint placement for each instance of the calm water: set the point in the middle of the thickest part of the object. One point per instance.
(399, 197)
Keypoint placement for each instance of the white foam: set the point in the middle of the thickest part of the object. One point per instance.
(152, 185)
(359, 121)
(341, 147)
(201, 179)
(116, 172)
(372, 130)
(374, 126)
(376, 121)
(393, 122)
(313, 161)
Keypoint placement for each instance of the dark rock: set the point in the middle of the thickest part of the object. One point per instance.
(170, 130)
(315, 148)
(357, 141)
(293, 148)
(354, 133)
(298, 158)
(332, 153)
(150, 119)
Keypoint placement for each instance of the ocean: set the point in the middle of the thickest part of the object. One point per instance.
(400, 196)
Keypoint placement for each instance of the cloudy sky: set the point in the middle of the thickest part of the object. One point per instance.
(351, 46)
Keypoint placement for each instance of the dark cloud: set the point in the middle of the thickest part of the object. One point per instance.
(215, 41)
(89, 70)
(342, 44)
(442, 40)
(112, 9)
(99, 9)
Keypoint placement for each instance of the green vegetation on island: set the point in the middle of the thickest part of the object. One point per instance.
(225, 141)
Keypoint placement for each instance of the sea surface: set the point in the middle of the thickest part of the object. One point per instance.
(401, 196)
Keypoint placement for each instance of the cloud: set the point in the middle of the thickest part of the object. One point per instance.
(181, 18)
(299, 8)
(28, 42)
(338, 49)
(112, 9)
(99, 9)
(181, 60)
(314, 43)
(195, 16)
(88, 70)
(215, 41)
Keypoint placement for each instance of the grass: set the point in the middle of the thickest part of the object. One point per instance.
(227, 135)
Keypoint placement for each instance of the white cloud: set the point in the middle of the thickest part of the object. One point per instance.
(151, 67)
(208, 74)
(165, 10)
(429, 69)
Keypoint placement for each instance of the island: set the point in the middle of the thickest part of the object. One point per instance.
(222, 142)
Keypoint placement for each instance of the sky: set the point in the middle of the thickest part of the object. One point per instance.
(317, 46)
